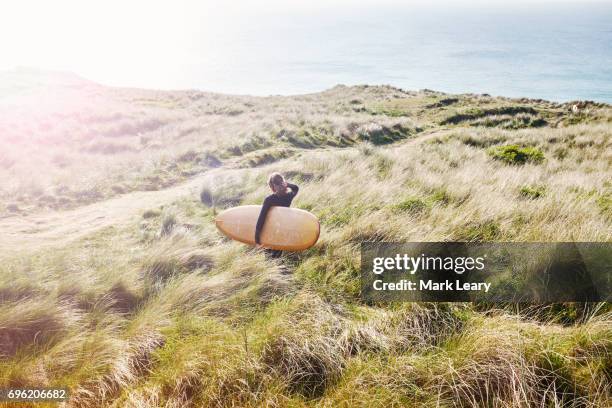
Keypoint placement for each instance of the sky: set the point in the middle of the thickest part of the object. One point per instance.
(149, 43)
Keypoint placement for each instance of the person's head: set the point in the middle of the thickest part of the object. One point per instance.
(277, 184)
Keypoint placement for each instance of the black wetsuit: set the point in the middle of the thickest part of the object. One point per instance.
(271, 201)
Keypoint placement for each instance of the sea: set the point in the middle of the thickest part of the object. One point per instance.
(558, 52)
(555, 50)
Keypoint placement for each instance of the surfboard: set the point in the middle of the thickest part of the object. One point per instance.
(287, 229)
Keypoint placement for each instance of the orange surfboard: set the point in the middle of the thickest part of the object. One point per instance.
(287, 229)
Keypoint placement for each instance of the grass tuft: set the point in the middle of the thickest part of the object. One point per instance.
(514, 154)
(532, 192)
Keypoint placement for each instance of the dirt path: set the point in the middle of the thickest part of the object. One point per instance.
(61, 227)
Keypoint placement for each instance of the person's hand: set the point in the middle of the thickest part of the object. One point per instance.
(258, 246)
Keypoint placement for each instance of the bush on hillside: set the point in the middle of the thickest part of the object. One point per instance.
(378, 134)
(515, 154)
(411, 205)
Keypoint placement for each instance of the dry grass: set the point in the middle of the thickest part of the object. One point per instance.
(139, 302)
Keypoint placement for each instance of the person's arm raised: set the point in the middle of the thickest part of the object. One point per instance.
(294, 188)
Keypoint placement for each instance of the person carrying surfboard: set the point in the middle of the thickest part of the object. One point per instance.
(282, 195)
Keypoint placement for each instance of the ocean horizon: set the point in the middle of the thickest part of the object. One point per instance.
(559, 52)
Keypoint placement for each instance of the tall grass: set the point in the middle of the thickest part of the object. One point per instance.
(163, 311)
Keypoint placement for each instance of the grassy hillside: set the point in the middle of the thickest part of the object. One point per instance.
(114, 281)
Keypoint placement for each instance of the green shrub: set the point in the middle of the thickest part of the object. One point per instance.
(411, 205)
(380, 135)
(532, 192)
(440, 196)
(416, 205)
(515, 154)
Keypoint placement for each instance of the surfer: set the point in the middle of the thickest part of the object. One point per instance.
(282, 195)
